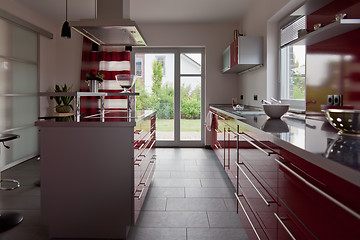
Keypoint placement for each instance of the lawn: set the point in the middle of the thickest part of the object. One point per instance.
(186, 125)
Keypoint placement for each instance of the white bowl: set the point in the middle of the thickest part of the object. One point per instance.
(275, 110)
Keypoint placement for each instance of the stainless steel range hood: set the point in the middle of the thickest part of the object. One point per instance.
(112, 26)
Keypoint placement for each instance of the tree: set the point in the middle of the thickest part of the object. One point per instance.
(157, 77)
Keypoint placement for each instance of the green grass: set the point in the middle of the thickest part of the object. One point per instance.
(186, 125)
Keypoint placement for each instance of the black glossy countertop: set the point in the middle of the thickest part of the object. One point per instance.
(312, 137)
(114, 118)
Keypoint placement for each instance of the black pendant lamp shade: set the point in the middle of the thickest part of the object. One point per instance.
(66, 31)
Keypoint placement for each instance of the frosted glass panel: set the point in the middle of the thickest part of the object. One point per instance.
(18, 75)
(25, 78)
(24, 44)
(24, 147)
(4, 38)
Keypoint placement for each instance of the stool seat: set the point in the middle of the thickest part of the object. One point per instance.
(9, 220)
(7, 137)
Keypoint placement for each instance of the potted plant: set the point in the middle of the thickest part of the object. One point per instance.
(63, 102)
(94, 78)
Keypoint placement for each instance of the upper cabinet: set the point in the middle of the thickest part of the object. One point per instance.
(243, 54)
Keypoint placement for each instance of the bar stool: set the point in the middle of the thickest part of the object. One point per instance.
(9, 219)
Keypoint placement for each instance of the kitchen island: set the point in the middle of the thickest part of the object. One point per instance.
(90, 183)
(293, 176)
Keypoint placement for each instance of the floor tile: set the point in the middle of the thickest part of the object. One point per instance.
(224, 220)
(230, 203)
(216, 234)
(159, 192)
(193, 174)
(195, 204)
(220, 182)
(205, 192)
(162, 174)
(154, 204)
(172, 219)
(174, 182)
(157, 234)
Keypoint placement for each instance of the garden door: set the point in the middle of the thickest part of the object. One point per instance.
(171, 81)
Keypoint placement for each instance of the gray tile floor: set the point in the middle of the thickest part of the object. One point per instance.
(190, 198)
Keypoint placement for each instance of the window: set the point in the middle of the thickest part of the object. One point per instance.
(292, 63)
(161, 59)
(139, 67)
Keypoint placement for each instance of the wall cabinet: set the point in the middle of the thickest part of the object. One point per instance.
(280, 195)
(243, 54)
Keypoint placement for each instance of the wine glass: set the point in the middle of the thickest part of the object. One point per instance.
(125, 81)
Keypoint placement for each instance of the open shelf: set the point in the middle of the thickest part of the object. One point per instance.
(329, 31)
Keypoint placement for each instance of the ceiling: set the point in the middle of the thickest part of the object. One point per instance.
(169, 11)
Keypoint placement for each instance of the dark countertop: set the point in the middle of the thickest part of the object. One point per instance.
(312, 138)
(115, 118)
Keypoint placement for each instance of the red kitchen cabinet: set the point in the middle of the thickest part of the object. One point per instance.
(144, 161)
(281, 195)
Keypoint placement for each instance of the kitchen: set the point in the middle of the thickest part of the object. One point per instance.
(60, 59)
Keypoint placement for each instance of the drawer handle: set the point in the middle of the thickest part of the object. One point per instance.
(284, 226)
(247, 216)
(346, 208)
(17, 184)
(138, 191)
(149, 149)
(256, 146)
(146, 181)
(257, 190)
(138, 162)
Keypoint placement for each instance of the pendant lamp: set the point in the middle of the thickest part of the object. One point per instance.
(66, 31)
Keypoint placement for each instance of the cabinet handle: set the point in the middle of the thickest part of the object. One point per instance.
(149, 149)
(256, 146)
(17, 184)
(284, 226)
(138, 162)
(145, 183)
(349, 210)
(257, 190)
(247, 216)
(138, 191)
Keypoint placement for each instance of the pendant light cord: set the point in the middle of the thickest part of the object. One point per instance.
(66, 10)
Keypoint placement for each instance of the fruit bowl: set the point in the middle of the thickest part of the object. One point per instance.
(275, 110)
(125, 81)
(345, 120)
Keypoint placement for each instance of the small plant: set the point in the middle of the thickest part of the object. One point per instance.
(94, 75)
(63, 102)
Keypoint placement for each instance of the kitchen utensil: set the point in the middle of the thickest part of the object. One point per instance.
(125, 81)
(275, 100)
(275, 110)
(347, 121)
(317, 26)
(265, 102)
(340, 16)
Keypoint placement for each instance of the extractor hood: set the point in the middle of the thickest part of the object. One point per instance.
(112, 26)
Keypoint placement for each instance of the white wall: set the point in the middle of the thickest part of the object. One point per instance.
(219, 87)
(59, 59)
(257, 22)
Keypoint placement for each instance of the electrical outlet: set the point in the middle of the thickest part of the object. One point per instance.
(255, 97)
(338, 100)
(242, 97)
(330, 100)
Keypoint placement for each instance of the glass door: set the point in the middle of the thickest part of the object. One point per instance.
(170, 81)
